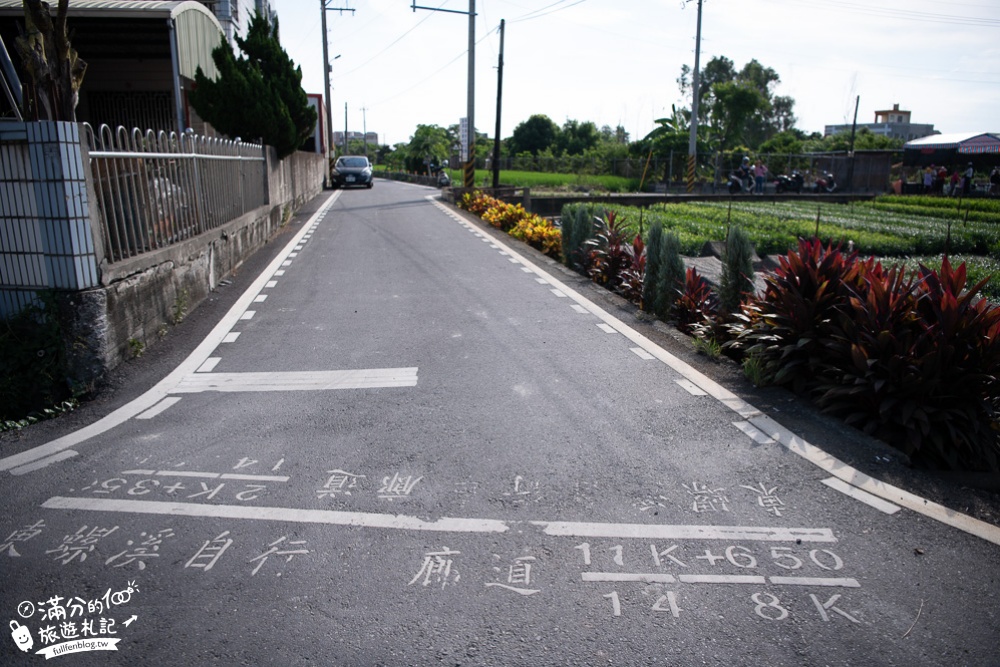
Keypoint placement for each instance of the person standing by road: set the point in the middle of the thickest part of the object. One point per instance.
(759, 174)
(967, 180)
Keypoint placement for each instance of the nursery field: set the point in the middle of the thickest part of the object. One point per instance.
(898, 230)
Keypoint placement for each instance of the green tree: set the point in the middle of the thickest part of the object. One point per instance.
(864, 140)
(430, 144)
(576, 138)
(786, 142)
(257, 96)
(739, 106)
(534, 135)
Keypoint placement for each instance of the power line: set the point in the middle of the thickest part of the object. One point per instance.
(538, 13)
(392, 43)
(434, 73)
(905, 14)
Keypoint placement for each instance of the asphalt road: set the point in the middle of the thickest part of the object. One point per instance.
(402, 438)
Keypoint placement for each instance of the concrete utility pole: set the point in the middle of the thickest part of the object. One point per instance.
(496, 134)
(695, 94)
(850, 153)
(364, 127)
(469, 167)
(328, 138)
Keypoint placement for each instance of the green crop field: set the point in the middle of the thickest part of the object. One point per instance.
(908, 230)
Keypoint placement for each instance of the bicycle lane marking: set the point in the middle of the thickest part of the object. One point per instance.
(748, 412)
(187, 367)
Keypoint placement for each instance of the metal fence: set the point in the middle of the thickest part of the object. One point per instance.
(869, 171)
(155, 189)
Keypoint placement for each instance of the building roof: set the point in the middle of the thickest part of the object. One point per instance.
(954, 140)
(130, 29)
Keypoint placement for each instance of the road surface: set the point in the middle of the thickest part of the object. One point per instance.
(413, 441)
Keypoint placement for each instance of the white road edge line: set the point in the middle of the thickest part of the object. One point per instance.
(160, 391)
(169, 401)
(862, 496)
(779, 433)
(42, 463)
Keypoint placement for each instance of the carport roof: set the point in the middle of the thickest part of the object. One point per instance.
(130, 29)
(957, 140)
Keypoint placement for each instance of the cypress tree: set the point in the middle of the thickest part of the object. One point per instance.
(737, 270)
(257, 96)
(671, 279)
(651, 279)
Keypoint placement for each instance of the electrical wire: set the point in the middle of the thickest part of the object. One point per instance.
(434, 73)
(392, 43)
(538, 13)
(905, 14)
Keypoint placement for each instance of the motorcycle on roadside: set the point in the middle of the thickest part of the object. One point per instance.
(785, 183)
(826, 183)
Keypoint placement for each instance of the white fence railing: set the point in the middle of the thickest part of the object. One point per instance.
(155, 189)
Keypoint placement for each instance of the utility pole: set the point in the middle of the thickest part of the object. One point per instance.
(850, 154)
(496, 134)
(328, 138)
(345, 128)
(695, 94)
(364, 127)
(469, 167)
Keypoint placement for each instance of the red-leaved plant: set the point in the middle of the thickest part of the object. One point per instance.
(610, 252)
(914, 360)
(697, 305)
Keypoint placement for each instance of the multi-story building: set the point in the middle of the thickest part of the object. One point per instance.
(234, 15)
(370, 137)
(893, 123)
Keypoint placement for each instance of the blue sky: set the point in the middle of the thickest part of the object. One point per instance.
(616, 61)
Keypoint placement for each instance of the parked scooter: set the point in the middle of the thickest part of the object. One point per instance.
(825, 183)
(793, 183)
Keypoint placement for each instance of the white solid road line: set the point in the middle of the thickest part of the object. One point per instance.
(444, 524)
(767, 425)
(186, 367)
(685, 532)
(283, 514)
(299, 380)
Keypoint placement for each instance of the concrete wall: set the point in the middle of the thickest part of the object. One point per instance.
(50, 235)
(142, 296)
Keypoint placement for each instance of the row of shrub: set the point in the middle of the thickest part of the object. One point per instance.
(986, 210)
(533, 229)
(911, 357)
